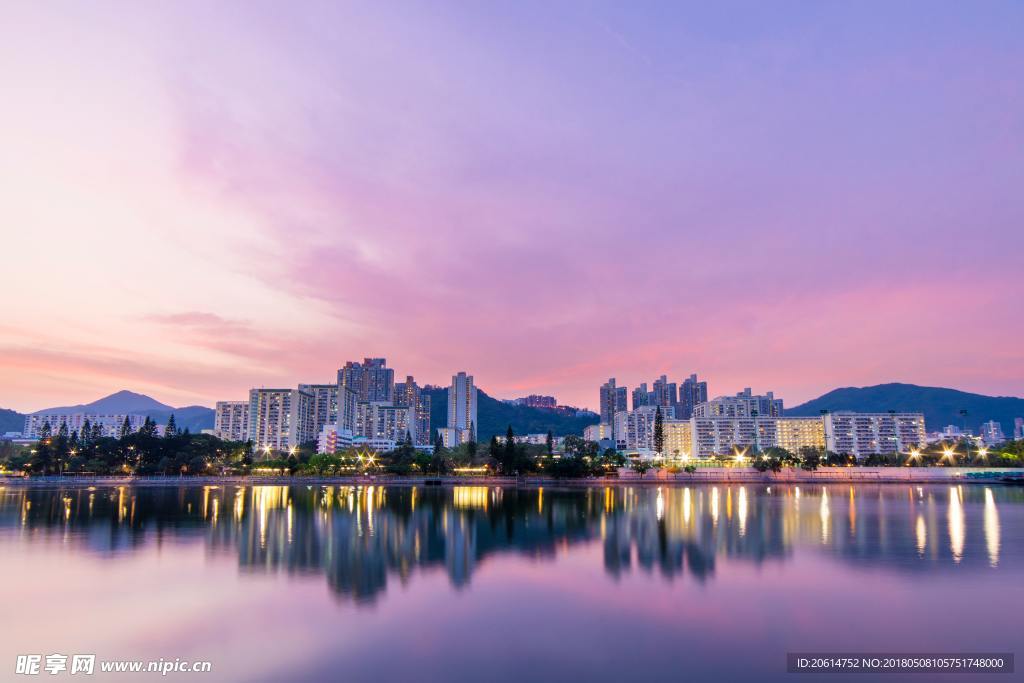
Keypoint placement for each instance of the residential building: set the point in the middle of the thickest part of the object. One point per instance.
(110, 424)
(372, 381)
(331, 439)
(384, 421)
(409, 395)
(664, 393)
(743, 404)
(678, 438)
(794, 433)
(597, 432)
(462, 399)
(613, 400)
(641, 396)
(863, 434)
(692, 393)
(325, 404)
(280, 419)
(992, 433)
(536, 401)
(231, 420)
(634, 429)
(1018, 428)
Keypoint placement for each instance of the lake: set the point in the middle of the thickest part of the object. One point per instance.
(473, 583)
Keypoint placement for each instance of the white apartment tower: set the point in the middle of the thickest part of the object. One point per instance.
(462, 396)
(280, 419)
(231, 420)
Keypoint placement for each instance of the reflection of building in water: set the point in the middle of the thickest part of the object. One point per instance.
(359, 537)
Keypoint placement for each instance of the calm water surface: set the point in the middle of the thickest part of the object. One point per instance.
(318, 583)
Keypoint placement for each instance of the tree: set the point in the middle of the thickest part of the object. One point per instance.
(126, 429)
(659, 431)
(171, 430)
(148, 428)
(46, 431)
(641, 467)
(810, 458)
(551, 443)
(438, 444)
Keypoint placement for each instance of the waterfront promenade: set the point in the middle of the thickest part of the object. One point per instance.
(708, 475)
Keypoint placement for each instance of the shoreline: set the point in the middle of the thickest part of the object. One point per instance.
(724, 475)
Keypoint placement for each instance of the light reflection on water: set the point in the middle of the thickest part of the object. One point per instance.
(708, 547)
(341, 530)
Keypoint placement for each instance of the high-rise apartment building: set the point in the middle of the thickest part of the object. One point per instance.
(462, 397)
(384, 421)
(231, 420)
(863, 434)
(692, 393)
(371, 380)
(664, 393)
(325, 404)
(613, 400)
(1018, 428)
(280, 419)
(634, 429)
(641, 396)
(408, 394)
(743, 404)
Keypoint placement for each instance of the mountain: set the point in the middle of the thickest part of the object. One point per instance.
(121, 402)
(494, 417)
(11, 421)
(195, 418)
(940, 406)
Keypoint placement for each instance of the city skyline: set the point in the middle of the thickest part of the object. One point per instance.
(203, 199)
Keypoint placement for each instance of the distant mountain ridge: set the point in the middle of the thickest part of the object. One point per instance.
(940, 406)
(494, 417)
(123, 401)
(193, 418)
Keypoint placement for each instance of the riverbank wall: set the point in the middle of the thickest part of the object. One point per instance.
(705, 475)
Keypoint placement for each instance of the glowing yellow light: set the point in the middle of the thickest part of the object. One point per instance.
(983, 451)
(915, 453)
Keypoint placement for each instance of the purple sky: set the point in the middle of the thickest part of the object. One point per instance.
(203, 197)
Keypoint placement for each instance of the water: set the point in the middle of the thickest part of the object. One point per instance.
(316, 583)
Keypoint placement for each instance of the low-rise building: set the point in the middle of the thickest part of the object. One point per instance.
(992, 433)
(332, 439)
(110, 424)
(863, 434)
(597, 432)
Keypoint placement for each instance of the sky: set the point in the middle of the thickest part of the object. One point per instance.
(198, 198)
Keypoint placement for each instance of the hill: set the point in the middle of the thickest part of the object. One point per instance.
(494, 417)
(940, 406)
(11, 421)
(195, 418)
(120, 402)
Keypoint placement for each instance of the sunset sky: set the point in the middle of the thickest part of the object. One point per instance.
(201, 197)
